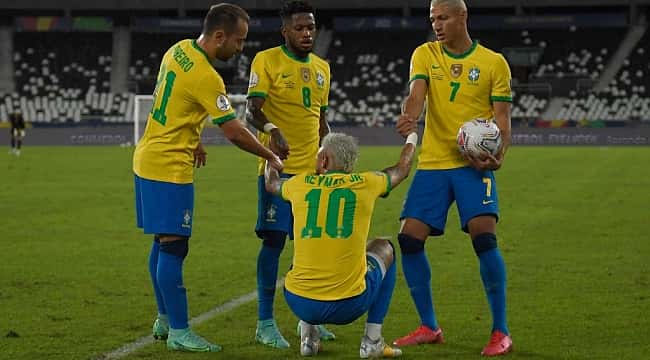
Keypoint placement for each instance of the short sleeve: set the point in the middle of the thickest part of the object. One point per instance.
(379, 182)
(259, 81)
(418, 68)
(501, 90)
(285, 189)
(211, 94)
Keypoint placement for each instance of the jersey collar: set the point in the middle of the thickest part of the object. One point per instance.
(463, 55)
(293, 56)
(198, 48)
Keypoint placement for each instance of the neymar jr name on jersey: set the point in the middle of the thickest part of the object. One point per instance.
(328, 181)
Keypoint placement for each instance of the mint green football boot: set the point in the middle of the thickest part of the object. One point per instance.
(161, 327)
(188, 340)
(267, 333)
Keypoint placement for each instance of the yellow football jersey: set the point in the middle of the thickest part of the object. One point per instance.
(187, 91)
(295, 92)
(460, 88)
(331, 215)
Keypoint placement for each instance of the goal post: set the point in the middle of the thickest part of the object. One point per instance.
(141, 108)
(143, 104)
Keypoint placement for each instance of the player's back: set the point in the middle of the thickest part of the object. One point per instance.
(332, 214)
(295, 92)
(187, 87)
(461, 87)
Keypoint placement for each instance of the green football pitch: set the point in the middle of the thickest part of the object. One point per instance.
(74, 282)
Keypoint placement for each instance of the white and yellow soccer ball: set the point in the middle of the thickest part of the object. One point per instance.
(478, 137)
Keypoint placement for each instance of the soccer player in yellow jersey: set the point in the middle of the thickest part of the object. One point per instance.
(188, 91)
(335, 277)
(460, 80)
(287, 103)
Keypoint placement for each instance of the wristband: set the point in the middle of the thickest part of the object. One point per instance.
(268, 127)
(412, 139)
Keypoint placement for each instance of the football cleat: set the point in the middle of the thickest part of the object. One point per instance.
(188, 340)
(161, 328)
(421, 335)
(310, 343)
(377, 349)
(500, 344)
(267, 333)
(325, 334)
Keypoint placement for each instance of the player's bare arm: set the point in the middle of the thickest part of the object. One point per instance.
(502, 111)
(256, 117)
(400, 171)
(412, 107)
(324, 126)
(239, 135)
(502, 119)
(272, 180)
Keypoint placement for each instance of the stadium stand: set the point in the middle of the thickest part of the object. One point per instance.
(64, 77)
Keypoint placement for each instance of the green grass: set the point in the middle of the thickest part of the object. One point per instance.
(74, 281)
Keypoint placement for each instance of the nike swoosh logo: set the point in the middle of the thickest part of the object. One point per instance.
(485, 202)
(284, 76)
(435, 67)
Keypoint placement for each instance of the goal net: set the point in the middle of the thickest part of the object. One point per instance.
(143, 104)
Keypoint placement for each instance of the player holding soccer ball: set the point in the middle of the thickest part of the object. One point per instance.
(460, 80)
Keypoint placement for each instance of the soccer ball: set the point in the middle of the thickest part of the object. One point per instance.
(477, 137)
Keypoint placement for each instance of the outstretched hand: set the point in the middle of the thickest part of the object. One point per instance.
(406, 125)
(200, 156)
(275, 162)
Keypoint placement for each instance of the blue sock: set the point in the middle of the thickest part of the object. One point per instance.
(379, 307)
(153, 270)
(493, 274)
(418, 277)
(170, 280)
(267, 275)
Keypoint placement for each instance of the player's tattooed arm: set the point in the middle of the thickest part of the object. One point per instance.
(400, 171)
(255, 116)
(272, 180)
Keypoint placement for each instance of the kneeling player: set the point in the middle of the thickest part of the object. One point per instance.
(335, 277)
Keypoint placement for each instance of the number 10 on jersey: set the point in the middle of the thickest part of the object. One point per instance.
(337, 225)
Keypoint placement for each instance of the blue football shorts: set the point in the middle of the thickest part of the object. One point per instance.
(164, 208)
(273, 213)
(433, 191)
(342, 311)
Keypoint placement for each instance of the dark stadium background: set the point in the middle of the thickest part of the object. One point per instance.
(578, 66)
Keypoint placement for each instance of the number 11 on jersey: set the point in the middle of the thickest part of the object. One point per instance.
(158, 114)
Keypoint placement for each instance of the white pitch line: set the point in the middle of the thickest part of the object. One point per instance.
(129, 348)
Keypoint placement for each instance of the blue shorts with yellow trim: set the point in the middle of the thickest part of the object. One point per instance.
(433, 191)
(273, 213)
(163, 207)
(342, 311)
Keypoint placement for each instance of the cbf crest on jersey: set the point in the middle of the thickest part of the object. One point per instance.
(456, 70)
(222, 103)
(474, 74)
(306, 74)
(320, 79)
